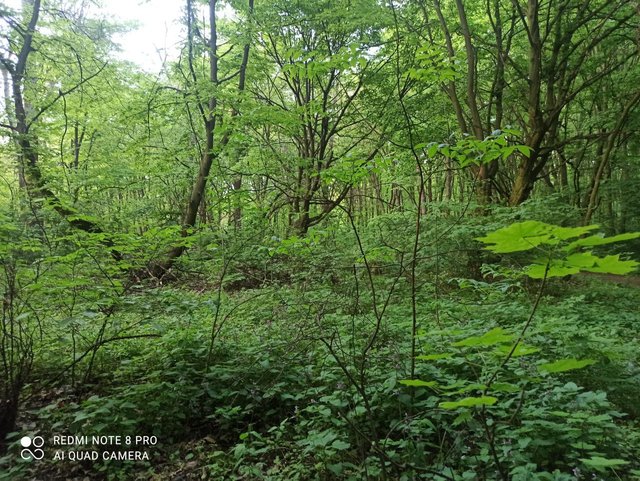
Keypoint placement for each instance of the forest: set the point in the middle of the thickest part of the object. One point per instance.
(377, 240)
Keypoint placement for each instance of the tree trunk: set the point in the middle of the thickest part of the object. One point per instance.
(603, 163)
(523, 184)
(210, 119)
(26, 141)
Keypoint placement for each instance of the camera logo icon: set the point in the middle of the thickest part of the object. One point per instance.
(35, 443)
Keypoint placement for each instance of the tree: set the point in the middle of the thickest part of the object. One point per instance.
(212, 112)
(21, 41)
(525, 65)
(320, 57)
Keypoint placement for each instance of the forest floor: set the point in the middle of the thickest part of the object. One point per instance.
(277, 403)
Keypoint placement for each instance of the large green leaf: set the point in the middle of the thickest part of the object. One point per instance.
(517, 237)
(520, 350)
(469, 402)
(494, 336)
(598, 240)
(599, 462)
(530, 234)
(556, 268)
(565, 365)
(580, 261)
(613, 265)
(523, 236)
(417, 383)
(340, 445)
(564, 233)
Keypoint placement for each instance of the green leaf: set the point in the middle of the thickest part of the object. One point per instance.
(432, 150)
(475, 386)
(565, 365)
(583, 446)
(523, 236)
(340, 445)
(564, 233)
(599, 239)
(494, 336)
(461, 418)
(613, 265)
(81, 416)
(418, 383)
(504, 387)
(556, 268)
(580, 261)
(469, 402)
(598, 462)
(520, 350)
(524, 150)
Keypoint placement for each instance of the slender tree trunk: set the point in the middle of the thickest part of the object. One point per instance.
(606, 157)
(27, 142)
(211, 117)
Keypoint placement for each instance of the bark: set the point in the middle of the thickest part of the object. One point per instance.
(450, 87)
(560, 38)
(324, 105)
(476, 122)
(562, 75)
(526, 175)
(16, 356)
(563, 175)
(28, 159)
(448, 180)
(484, 175)
(211, 118)
(236, 216)
(605, 158)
